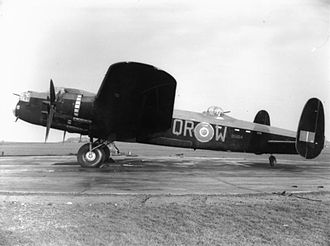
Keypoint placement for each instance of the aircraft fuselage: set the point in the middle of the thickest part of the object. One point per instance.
(199, 131)
(74, 113)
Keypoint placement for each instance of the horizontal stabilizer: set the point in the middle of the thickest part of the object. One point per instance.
(310, 134)
(262, 117)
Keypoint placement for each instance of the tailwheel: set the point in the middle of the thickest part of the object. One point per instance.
(90, 157)
(272, 161)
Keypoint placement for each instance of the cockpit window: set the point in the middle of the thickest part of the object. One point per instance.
(25, 96)
(59, 91)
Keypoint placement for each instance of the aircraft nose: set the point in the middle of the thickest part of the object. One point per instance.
(16, 109)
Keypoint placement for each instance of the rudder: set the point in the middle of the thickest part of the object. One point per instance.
(310, 133)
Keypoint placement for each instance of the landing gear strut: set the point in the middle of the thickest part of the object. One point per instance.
(94, 154)
(272, 161)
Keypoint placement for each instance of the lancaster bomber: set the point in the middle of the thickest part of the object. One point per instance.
(135, 104)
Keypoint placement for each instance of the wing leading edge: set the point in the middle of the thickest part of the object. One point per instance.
(134, 100)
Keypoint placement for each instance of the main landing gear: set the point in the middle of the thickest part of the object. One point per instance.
(272, 161)
(94, 154)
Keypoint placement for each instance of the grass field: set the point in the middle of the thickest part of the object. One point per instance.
(168, 220)
(21, 149)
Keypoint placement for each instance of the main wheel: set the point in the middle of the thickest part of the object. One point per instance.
(272, 161)
(90, 159)
(106, 150)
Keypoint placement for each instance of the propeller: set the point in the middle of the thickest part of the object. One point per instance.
(64, 133)
(51, 109)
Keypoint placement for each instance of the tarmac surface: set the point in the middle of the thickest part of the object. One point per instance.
(162, 175)
(154, 195)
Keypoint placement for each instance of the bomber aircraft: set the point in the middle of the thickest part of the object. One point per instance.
(135, 104)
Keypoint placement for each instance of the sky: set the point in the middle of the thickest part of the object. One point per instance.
(241, 55)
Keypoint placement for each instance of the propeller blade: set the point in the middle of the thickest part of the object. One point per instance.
(52, 92)
(51, 110)
(15, 94)
(49, 121)
(64, 133)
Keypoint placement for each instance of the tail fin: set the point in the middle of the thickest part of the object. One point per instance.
(310, 134)
(262, 117)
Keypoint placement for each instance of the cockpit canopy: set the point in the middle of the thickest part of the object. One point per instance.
(215, 111)
(25, 96)
(59, 91)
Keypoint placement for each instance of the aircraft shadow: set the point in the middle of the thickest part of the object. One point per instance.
(139, 165)
(278, 166)
(66, 164)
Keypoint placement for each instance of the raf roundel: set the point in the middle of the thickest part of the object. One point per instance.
(203, 132)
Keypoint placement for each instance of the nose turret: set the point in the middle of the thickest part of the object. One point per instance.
(24, 98)
(16, 109)
(29, 107)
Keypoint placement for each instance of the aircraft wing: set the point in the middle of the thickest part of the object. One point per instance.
(134, 100)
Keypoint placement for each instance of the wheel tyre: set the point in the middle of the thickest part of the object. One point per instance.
(106, 153)
(272, 161)
(90, 159)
